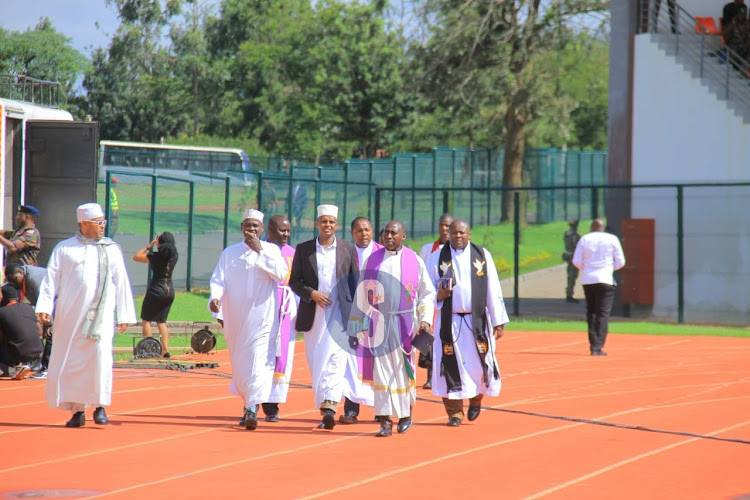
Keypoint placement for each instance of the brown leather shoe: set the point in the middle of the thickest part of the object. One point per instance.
(348, 418)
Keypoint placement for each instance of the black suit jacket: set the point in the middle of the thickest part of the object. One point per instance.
(304, 280)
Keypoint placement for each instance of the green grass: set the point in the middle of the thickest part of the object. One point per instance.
(189, 307)
(541, 245)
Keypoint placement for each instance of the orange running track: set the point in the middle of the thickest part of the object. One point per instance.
(681, 406)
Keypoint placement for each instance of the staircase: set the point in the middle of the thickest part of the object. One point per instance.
(703, 55)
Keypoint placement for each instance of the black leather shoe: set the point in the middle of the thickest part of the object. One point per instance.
(329, 420)
(348, 418)
(571, 300)
(454, 421)
(599, 353)
(274, 417)
(473, 412)
(78, 420)
(404, 424)
(251, 420)
(428, 384)
(386, 428)
(100, 416)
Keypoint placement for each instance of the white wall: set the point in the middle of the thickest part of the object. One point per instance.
(701, 8)
(683, 133)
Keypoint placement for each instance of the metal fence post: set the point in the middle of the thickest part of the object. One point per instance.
(377, 213)
(594, 203)
(191, 220)
(289, 200)
(369, 189)
(516, 249)
(259, 197)
(152, 218)
(346, 190)
(446, 208)
(413, 192)
(393, 193)
(471, 184)
(107, 200)
(227, 191)
(680, 260)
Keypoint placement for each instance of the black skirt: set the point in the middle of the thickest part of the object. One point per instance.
(158, 301)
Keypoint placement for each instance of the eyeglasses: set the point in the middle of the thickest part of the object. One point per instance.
(98, 222)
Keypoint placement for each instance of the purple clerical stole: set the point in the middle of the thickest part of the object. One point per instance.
(396, 307)
(284, 297)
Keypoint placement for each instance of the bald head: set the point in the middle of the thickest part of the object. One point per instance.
(394, 235)
(597, 226)
(279, 230)
(459, 234)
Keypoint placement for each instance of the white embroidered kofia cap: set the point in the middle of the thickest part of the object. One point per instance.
(89, 211)
(251, 213)
(331, 210)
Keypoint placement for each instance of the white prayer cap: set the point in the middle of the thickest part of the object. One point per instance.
(251, 213)
(89, 211)
(331, 210)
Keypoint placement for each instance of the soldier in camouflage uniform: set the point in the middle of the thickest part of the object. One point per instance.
(23, 244)
(571, 240)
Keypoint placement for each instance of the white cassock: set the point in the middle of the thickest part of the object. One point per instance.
(80, 368)
(427, 249)
(469, 362)
(245, 283)
(395, 390)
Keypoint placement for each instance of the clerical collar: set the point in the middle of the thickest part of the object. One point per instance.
(393, 252)
(459, 252)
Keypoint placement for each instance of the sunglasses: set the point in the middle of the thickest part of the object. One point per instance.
(99, 223)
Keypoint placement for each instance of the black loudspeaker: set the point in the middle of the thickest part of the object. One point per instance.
(148, 347)
(203, 341)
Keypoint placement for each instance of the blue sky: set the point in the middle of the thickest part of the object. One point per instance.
(74, 18)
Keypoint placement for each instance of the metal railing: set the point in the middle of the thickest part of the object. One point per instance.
(27, 89)
(704, 53)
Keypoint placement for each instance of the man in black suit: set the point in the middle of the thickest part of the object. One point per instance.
(321, 266)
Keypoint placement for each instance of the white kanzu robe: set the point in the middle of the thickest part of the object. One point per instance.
(469, 362)
(395, 391)
(80, 368)
(245, 283)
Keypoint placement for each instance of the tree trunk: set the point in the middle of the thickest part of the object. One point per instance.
(515, 143)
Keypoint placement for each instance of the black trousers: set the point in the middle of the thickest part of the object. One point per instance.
(599, 300)
(351, 407)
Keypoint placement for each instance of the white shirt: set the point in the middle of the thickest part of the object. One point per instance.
(598, 255)
(364, 254)
(326, 259)
(426, 250)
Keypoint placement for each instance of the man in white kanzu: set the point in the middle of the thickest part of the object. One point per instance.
(598, 255)
(243, 297)
(471, 318)
(395, 298)
(88, 288)
(324, 276)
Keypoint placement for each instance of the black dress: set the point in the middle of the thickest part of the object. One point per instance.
(160, 293)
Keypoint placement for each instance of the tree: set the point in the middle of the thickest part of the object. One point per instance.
(134, 88)
(475, 43)
(42, 53)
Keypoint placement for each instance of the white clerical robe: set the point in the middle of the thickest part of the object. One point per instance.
(469, 362)
(395, 389)
(245, 281)
(80, 368)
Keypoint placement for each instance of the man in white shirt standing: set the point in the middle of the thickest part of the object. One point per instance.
(598, 255)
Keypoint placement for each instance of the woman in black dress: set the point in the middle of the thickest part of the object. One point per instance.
(160, 293)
